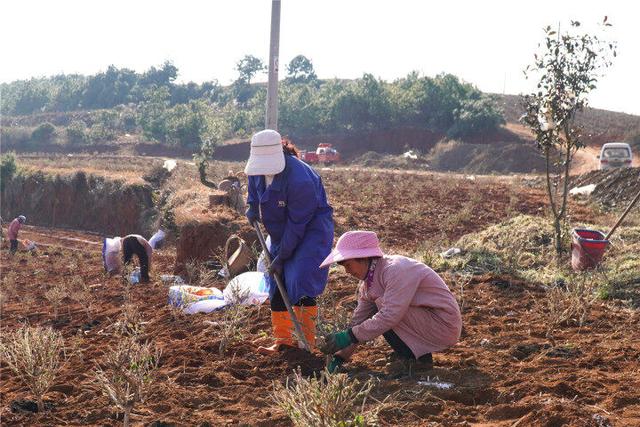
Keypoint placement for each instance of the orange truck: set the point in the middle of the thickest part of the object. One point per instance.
(325, 154)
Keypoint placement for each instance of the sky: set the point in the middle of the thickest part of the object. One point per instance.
(487, 43)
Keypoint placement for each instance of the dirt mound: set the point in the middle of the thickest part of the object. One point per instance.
(80, 201)
(205, 241)
(614, 187)
(389, 161)
(486, 158)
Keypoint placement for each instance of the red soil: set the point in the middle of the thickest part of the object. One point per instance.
(503, 369)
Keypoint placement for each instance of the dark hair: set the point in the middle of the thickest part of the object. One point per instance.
(289, 147)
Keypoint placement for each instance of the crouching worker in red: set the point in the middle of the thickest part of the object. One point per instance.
(134, 244)
(399, 298)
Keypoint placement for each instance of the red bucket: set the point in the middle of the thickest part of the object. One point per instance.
(587, 248)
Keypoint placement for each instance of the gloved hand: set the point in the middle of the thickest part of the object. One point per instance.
(252, 215)
(336, 342)
(335, 363)
(276, 266)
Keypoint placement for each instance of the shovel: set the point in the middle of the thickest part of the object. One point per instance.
(298, 328)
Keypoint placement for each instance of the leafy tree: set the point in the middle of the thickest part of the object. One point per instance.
(300, 70)
(568, 67)
(475, 116)
(77, 133)
(8, 168)
(44, 133)
(189, 125)
(152, 117)
(248, 67)
(110, 88)
(32, 95)
(212, 139)
(69, 92)
(159, 76)
(299, 109)
(364, 105)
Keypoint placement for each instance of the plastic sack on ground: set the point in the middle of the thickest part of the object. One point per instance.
(182, 295)
(205, 306)
(170, 279)
(156, 240)
(29, 245)
(248, 288)
(111, 255)
(134, 277)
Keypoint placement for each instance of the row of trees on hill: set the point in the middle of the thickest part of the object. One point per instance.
(188, 114)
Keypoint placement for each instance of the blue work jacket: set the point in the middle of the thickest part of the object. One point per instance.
(297, 216)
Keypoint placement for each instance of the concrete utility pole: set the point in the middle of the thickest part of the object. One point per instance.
(271, 119)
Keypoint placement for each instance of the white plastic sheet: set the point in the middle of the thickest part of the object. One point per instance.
(585, 190)
(157, 239)
(111, 255)
(205, 306)
(250, 288)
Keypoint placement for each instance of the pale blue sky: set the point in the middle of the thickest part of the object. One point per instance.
(487, 43)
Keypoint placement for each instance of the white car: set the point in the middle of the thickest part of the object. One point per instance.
(615, 155)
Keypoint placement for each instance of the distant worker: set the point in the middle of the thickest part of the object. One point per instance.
(288, 196)
(12, 232)
(399, 298)
(134, 244)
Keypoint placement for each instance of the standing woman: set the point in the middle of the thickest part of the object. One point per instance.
(12, 232)
(288, 197)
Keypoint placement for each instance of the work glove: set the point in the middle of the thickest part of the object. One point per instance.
(252, 215)
(335, 364)
(276, 266)
(336, 342)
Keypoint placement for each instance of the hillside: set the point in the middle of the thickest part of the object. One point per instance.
(600, 126)
(371, 122)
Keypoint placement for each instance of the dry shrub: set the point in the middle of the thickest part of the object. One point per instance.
(230, 328)
(131, 321)
(33, 354)
(332, 317)
(570, 304)
(55, 295)
(199, 274)
(81, 293)
(462, 280)
(9, 284)
(326, 400)
(127, 373)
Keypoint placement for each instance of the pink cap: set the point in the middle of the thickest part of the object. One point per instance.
(354, 244)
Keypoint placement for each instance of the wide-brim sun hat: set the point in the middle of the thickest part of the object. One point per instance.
(266, 156)
(354, 244)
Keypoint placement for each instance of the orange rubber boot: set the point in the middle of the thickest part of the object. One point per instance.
(282, 332)
(307, 317)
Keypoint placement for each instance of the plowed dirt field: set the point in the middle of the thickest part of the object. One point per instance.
(504, 371)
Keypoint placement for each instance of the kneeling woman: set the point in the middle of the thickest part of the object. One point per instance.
(400, 298)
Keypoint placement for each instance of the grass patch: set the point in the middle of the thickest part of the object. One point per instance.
(523, 247)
